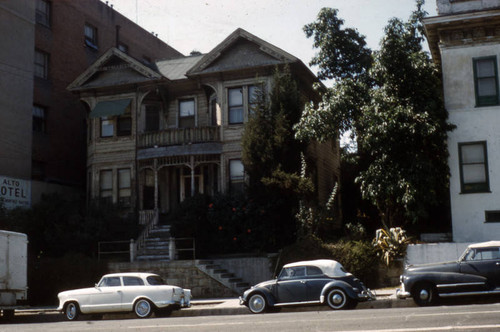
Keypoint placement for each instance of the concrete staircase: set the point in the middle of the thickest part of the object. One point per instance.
(156, 246)
(223, 276)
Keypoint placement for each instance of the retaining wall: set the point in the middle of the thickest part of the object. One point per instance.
(434, 252)
(184, 274)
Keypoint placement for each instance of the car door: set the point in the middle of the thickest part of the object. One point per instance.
(483, 262)
(291, 285)
(108, 297)
(316, 280)
(133, 287)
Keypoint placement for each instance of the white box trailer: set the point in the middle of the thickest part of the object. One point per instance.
(13, 271)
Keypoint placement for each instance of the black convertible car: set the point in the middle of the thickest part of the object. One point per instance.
(309, 282)
(477, 272)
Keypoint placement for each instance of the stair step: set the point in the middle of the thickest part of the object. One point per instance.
(153, 257)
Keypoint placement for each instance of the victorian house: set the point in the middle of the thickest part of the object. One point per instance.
(162, 132)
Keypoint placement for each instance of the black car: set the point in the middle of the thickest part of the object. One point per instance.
(309, 282)
(477, 272)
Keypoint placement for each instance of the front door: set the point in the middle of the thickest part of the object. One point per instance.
(186, 186)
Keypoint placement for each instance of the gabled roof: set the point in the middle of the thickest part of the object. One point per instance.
(268, 52)
(175, 69)
(97, 75)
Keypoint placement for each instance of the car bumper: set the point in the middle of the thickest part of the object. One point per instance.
(366, 295)
(243, 301)
(401, 293)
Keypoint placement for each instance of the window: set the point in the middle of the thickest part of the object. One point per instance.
(152, 118)
(90, 36)
(235, 101)
(124, 186)
(106, 184)
(107, 127)
(186, 113)
(236, 175)
(43, 12)
(314, 271)
(41, 64)
(492, 216)
(122, 47)
(39, 114)
(479, 254)
(132, 281)
(486, 81)
(473, 167)
(124, 125)
(110, 282)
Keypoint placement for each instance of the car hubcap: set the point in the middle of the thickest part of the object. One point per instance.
(424, 295)
(337, 299)
(257, 303)
(71, 311)
(142, 308)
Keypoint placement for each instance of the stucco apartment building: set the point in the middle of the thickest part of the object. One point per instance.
(465, 41)
(43, 128)
(161, 133)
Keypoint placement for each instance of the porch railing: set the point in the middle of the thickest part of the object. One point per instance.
(180, 136)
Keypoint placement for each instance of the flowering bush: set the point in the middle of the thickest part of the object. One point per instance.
(391, 244)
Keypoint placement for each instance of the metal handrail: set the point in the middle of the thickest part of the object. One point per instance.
(101, 251)
(150, 220)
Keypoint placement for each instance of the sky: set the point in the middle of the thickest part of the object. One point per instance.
(200, 25)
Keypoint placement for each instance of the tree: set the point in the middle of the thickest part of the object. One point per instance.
(405, 128)
(271, 155)
(344, 57)
(394, 107)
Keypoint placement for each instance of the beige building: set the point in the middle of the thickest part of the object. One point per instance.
(161, 133)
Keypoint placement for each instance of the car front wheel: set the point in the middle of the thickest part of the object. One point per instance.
(257, 303)
(143, 308)
(337, 299)
(71, 311)
(424, 294)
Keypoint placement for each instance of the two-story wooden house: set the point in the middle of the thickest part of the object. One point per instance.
(160, 133)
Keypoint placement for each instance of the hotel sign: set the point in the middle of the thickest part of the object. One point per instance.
(15, 192)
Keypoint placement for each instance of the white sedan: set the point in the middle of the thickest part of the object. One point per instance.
(142, 293)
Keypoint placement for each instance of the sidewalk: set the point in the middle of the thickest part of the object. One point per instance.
(386, 298)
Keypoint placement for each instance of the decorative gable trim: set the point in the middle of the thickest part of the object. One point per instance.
(99, 65)
(239, 33)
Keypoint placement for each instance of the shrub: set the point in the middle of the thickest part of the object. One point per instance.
(391, 244)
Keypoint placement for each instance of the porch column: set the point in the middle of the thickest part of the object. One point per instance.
(156, 182)
(191, 161)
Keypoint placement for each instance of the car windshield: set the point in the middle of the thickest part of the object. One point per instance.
(155, 280)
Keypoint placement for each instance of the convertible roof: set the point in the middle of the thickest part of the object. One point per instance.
(485, 244)
(329, 267)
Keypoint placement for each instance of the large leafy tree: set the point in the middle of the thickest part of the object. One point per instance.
(394, 108)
